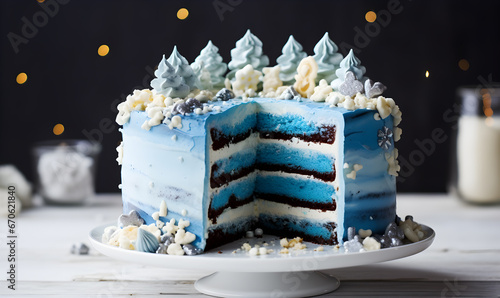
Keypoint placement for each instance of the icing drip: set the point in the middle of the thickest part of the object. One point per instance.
(328, 59)
(212, 62)
(349, 63)
(248, 50)
(289, 61)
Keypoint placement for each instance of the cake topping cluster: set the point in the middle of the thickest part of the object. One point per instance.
(181, 90)
(160, 237)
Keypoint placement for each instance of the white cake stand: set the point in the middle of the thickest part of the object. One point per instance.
(276, 275)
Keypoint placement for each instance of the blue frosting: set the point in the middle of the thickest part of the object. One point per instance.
(302, 189)
(277, 154)
(153, 156)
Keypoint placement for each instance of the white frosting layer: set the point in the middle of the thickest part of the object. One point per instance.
(285, 210)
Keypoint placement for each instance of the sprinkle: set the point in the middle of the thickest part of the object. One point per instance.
(163, 208)
(184, 212)
(131, 219)
(364, 233)
(155, 216)
(120, 186)
(183, 224)
(259, 232)
(183, 237)
(181, 159)
(174, 138)
(175, 249)
(249, 234)
(351, 85)
(151, 184)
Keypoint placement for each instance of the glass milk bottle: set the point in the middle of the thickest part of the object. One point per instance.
(478, 145)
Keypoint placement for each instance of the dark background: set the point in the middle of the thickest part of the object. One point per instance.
(69, 83)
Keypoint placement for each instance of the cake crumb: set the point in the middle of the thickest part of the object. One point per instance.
(299, 246)
(174, 138)
(234, 251)
(263, 251)
(184, 212)
(219, 252)
(284, 242)
(246, 246)
(295, 243)
(253, 251)
(284, 251)
(319, 248)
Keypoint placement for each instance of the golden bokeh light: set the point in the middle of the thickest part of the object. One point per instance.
(370, 16)
(58, 129)
(40, 1)
(21, 78)
(103, 50)
(182, 13)
(463, 64)
(426, 73)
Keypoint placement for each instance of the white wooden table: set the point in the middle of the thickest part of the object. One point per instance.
(464, 260)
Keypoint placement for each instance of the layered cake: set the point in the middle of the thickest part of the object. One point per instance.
(304, 148)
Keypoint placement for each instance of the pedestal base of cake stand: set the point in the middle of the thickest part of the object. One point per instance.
(267, 284)
(274, 274)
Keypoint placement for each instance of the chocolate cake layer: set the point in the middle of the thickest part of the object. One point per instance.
(220, 140)
(294, 202)
(218, 235)
(281, 227)
(225, 178)
(233, 203)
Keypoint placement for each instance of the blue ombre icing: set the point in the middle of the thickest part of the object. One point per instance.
(281, 160)
(229, 165)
